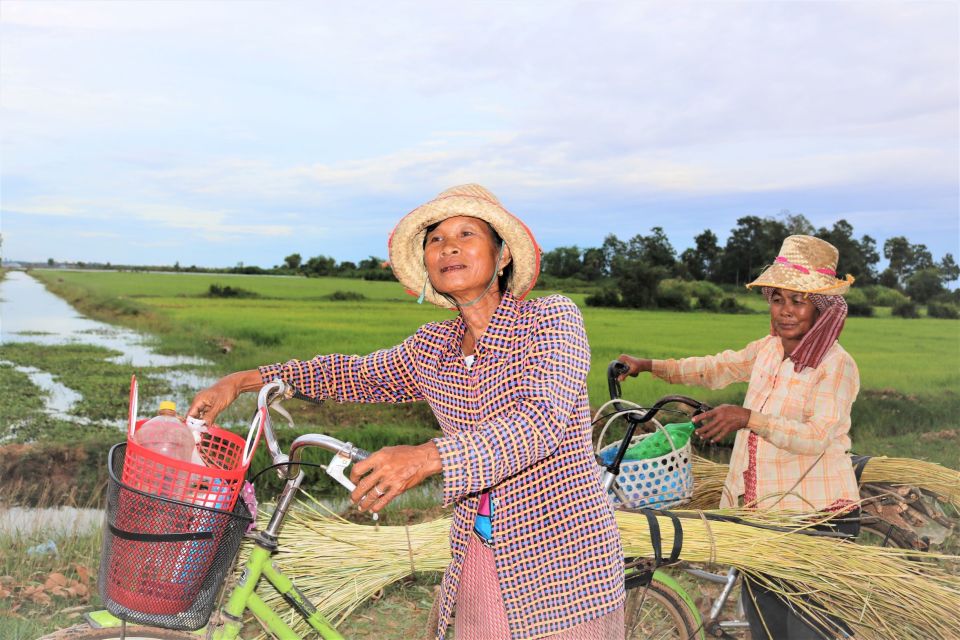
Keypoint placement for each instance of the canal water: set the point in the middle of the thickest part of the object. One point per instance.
(30, 313)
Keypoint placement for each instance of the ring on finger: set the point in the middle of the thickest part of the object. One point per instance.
(379, 491)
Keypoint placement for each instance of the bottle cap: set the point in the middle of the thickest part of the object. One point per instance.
(168, 405)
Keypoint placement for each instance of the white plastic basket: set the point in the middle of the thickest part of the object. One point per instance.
(656, 483)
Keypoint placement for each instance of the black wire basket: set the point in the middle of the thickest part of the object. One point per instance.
(163, 561)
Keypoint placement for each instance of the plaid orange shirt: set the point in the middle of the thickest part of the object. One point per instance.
(794, 453)
(516, 423)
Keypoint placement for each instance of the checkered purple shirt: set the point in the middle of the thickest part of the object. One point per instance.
(517, 424)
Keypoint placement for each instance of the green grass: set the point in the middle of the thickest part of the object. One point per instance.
(103, 385)
(910, 369)
(910, 373)
(41, 593)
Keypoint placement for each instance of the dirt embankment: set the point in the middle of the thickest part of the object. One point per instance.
(53, 473)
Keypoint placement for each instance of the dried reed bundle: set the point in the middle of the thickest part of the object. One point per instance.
(925, 475)
(945, 483)
(708, 478)
(879, 591)
(339, 564)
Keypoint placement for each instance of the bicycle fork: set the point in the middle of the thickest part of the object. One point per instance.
(258, 565)
(713, 625)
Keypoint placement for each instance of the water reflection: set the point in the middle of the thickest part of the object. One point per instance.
(60, 399)
(30, 313)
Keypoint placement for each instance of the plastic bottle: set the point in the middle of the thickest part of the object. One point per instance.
(166, 435)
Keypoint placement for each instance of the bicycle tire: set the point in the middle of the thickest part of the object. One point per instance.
(657, 612)
(86, 632)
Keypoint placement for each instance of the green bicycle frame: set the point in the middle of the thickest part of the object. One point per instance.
(244, 597)
(667, 580)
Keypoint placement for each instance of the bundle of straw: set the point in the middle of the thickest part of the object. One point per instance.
(941, 481)
(708, 478)
(879, 591)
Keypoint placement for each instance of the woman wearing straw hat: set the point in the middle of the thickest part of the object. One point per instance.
(535, 548)
(792, 433)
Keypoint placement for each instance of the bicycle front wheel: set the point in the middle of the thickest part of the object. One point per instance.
(131, 632)
(657, 612)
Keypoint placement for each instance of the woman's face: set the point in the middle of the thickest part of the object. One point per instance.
(792, 314)
(460, 255)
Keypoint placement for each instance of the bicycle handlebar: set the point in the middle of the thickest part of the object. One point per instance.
(270, 396)
(614, 371)
(617, 369)
(288, 467)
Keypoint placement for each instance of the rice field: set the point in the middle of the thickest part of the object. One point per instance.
(910, 369)
(910, 377)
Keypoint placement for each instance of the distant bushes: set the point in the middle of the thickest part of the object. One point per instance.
(675, 295)
(378, 274)
(605, 297)
(878, 295)
(685, 295)
(858, 304)
(216, 291)
(906, 309)
(943, 310)
(345, 296)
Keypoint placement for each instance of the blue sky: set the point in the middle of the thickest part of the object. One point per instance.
(214, 133)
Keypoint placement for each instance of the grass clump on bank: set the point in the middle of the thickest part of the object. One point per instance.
(103, 385)
(22, 415)
(41, 589)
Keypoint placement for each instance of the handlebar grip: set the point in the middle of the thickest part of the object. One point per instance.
(618, 368)
(614, 371)
(359, 454)
(299, 396)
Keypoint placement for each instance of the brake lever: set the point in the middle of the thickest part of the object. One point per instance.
(275, 405)
(335, 469)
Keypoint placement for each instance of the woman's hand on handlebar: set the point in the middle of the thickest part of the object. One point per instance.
(390, 471)
(718, 423)
(210, 402)
(635, 365)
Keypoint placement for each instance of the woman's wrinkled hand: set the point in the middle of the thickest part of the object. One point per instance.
(210, 402)
(636, 365)
(390, 471)
(718, 423)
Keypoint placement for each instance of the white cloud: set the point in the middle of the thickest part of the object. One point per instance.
(212, 225)
(207, 116)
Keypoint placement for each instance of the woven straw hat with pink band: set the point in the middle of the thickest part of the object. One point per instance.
(805, 264)
(406, 240)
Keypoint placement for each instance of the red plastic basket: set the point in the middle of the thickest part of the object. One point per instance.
(216, 483)
(162, 561)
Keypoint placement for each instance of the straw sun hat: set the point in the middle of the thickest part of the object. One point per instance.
(406, 240)
(805, 264)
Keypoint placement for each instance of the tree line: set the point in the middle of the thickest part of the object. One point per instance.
(630, 272)
(645, 271)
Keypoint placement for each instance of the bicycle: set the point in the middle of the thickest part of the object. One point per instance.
(657, 604)
(104, 625)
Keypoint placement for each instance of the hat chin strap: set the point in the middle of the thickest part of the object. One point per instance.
(480, 297)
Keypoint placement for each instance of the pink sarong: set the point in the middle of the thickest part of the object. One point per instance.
(480, 614)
